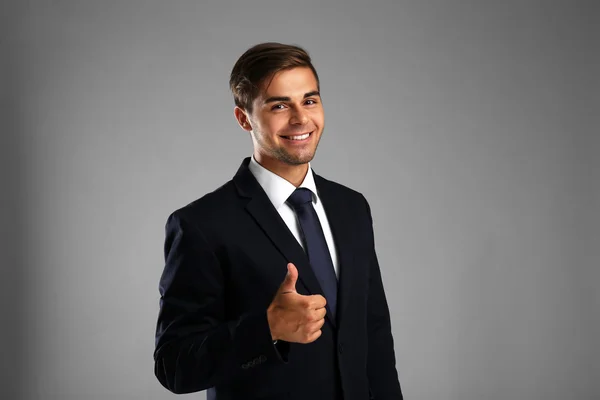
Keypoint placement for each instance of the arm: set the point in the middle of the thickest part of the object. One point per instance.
(196, 348)
(381, 359)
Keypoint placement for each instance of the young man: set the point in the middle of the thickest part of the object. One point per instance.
(271, 288)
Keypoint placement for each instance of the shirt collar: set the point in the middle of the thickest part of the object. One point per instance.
(277, 188)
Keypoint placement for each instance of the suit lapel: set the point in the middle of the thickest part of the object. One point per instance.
(339, 218)
(266, 216)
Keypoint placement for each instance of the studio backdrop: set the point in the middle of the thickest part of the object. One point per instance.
(470, 126)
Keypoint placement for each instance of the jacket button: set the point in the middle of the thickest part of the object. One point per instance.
(340, 348)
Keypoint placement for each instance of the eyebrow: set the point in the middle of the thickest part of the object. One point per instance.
(285, 98)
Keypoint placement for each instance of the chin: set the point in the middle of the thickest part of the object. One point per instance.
(297, 160)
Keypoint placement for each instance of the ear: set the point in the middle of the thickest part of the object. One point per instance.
(242, 118)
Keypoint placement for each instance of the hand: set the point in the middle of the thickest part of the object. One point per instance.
(294, 317)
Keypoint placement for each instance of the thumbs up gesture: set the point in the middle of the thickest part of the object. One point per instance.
(294, 317)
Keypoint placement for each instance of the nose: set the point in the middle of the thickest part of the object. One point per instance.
(299, 117)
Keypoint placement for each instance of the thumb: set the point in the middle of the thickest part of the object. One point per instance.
(289, 283)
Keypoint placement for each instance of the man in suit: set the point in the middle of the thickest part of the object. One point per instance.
(271, 287)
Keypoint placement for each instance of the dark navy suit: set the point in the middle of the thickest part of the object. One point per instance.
(225, 257)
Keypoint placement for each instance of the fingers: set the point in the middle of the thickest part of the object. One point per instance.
(311, 337)
(315, 318)
(321, 313)
(315, 325)
(311, 332)
(316, 301)
(311, 302)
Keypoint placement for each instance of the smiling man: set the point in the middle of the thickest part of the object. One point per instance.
(271, 287)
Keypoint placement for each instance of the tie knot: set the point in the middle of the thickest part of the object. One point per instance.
(299, 197)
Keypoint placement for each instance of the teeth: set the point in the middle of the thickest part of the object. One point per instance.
(301, 137)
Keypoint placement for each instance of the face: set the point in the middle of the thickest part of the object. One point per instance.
(287, 119)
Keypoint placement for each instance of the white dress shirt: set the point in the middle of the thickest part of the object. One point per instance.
(278, 190)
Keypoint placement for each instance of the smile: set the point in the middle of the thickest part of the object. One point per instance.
(304, 136)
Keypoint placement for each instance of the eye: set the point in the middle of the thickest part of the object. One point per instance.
(277, 107)
(310, 102)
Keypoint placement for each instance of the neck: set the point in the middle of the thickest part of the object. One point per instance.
(294, 174)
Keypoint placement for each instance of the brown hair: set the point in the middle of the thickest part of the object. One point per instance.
(260, 63)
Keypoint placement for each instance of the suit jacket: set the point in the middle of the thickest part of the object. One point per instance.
(225, 257)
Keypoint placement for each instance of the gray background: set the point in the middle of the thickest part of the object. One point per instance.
(471, 127)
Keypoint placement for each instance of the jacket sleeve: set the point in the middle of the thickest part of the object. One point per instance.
(196, 347)
(381, 358)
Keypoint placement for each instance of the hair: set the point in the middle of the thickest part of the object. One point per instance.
(259, 64)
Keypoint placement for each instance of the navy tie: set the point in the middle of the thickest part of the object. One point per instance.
(315, 244)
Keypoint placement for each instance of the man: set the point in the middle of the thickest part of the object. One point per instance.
(271, 288)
